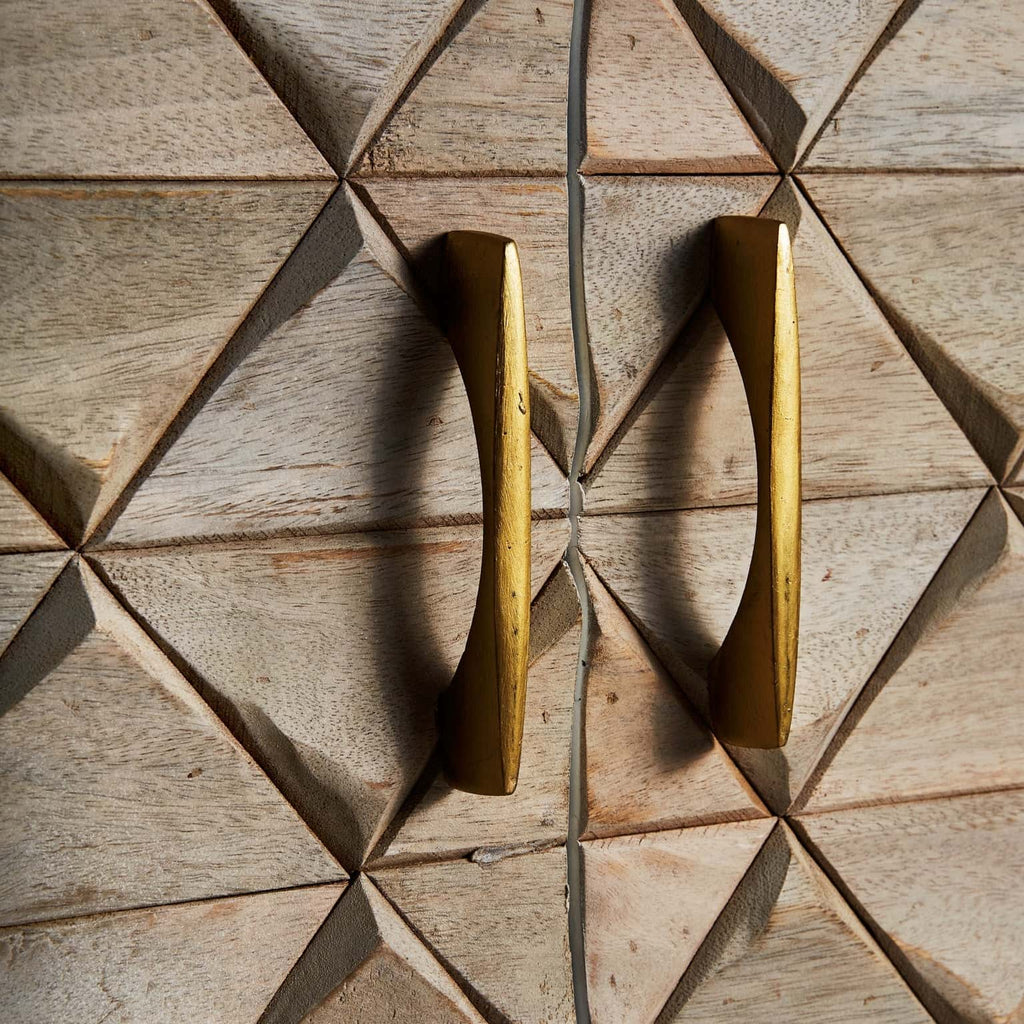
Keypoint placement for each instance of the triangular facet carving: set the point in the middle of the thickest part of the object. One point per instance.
(339, 67)
(787, 947)
(653, 102)
(22, 528)
(492, 100)
(140, 90)
(944, 93)
(650, 901)
(344, 729)
(440, 820)
(534, 212)
(866, 561)
(24, 579)
(940, 880)
(871, 423)
(788, 63)
(122, 295)
(499, 927)
(942, 254)
(337, 406)
(215, 961)
(365, 965)
(651, 761)
(121, 787)
(646, 244)
(942, 713)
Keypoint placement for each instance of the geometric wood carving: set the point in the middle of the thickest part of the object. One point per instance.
(653, 102)
(944, 712)
(493, 99)
(866, 561)
(650, 901)
(365, 966)
(499, 928)
(338, 405)
(121, 788)
(24, 579)
(943, 256)
(215, 961)
(871, 423)
(22, 528)
(139, 90)
(120, 297)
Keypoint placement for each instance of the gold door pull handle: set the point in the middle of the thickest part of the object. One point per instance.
(753, 675)
(481, 713)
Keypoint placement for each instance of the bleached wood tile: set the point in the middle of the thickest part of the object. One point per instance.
(645, 263)
(115, 300)
(944, 93)
(139, 90)
(339, 67)
(365, 965)
(534, 212)
(654, 104)
(944, 712)
(500, 927)
(441, 821)
(22, 528)
(942, 254)
(284, 640)
(121, 788)
(24, 579)
(651, 762)
(866, 561)
(493, 101)
(787, 62)
(217, 961)
(650, 901)
(338, 406)
(941, 879)
(788, 948)
(871, 423)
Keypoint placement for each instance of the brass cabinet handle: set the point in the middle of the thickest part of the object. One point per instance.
(481, 713)
(753, 675)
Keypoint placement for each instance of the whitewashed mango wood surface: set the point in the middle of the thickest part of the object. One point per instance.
(22, 528)
(24, 580)
(138, 90)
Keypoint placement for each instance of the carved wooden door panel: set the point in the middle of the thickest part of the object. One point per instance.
(240, 513)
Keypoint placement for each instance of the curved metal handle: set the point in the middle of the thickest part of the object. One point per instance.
(753, 675)
(481, 713)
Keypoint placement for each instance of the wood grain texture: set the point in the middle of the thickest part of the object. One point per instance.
(943, 94)
(651, 762)
(339, 67)
(787, 62)
(22, 528)
(871, 423)
(940, 879)
(942, 254)
(115, 300)
(138, 90)
(788, 948)
(365, 966)
(645, 263)
(492, 101)
(944, 712)
(653, 102)
(499, 928)
(121, 787)
(866, 561)
(283, 638)
(24, 579)
(440, 821)
(130, 966)
(650, 901)
(337, 407)
(534, 212)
